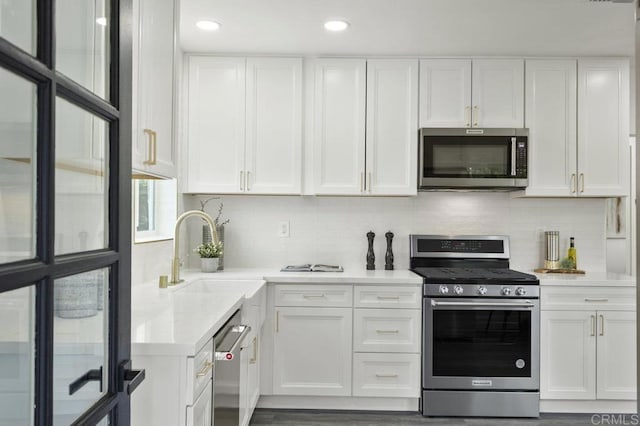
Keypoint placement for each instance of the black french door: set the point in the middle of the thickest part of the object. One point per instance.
(65, 216)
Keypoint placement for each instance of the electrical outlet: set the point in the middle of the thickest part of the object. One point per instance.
(283, 229)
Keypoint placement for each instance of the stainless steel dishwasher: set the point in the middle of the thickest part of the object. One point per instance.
(226, 382)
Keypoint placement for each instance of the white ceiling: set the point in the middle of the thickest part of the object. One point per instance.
(411, 27)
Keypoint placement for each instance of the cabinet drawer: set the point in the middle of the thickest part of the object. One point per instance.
(338, 296)
(201, 412)
(386, 330)
(388, 297)
(589, 298)
(386, 375)
(199, 371)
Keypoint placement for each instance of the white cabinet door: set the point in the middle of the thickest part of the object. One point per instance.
(216, 125)
(274, 126)
(445, 93)
(392, 127)
(312, 353)
(567, 355)
(249, 377)
(603, 127)
(551, 119)
(616, 375)
(339, 128)
(153, 147)
(498, 93)
(200, 414)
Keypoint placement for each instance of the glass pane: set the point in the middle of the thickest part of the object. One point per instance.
(105, 422)
(155, 209)
(80, 343)
(82, 43)
(17, 357)
(17, 23)
(17, 167)
(81, 180)
(482, 343)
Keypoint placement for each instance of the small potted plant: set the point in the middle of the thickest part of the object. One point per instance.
(209, 256)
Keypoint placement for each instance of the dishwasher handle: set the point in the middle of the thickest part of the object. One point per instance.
(227, 350)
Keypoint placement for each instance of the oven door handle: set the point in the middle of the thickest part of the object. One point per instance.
(525, 304)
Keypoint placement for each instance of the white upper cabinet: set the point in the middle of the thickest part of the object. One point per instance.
(392, 127)
(153, 146)
(551, 119)
(274, 126)
(244, 126)
(340, 102)
(603, 127)
(376, 98)
(472, 93)
(445, 93)
(497, 93)
(594, 161)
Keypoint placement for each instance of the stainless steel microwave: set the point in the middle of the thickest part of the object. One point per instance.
(473, 158)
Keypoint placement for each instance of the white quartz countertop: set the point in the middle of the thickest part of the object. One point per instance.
(349, 276)
(588, 279)
(180, 319)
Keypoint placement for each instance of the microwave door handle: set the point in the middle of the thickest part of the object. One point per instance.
(513, 157)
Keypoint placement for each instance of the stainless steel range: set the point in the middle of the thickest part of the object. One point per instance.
(481, 342)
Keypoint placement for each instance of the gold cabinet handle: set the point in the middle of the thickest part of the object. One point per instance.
(254, 357)
(386, 375)
(593, 325)
(476, 113)
(241, 180)
(389, 297)
(581, 183)
(208, 365)
(590, 299)
(247, 183)
(313, 296)
(277, 321)
(601, 325)
(151, 157)
(387, 331)
(572, 183)
(467, 115)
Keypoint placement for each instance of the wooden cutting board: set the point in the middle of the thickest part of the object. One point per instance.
(559, 271)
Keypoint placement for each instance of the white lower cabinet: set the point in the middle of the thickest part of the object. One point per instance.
(200, 414)
(312, 354)
(587, 345)
(346, 340)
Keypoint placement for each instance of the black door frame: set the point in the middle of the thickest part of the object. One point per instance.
(46, 267)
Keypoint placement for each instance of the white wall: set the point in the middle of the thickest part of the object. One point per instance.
(332, 229)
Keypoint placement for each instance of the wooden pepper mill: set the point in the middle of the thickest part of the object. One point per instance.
(388, 257)
(371, 257)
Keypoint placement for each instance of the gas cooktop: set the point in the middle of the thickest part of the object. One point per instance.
(438, 275)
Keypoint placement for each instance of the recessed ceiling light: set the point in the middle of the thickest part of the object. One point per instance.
(336, 25)
(208, 25)
(102, 21)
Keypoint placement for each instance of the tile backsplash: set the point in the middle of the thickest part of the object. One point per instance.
(332, 229)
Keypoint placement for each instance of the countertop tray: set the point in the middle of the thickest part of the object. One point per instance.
(559, 271)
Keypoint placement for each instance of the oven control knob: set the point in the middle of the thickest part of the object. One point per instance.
(520, 291)
(444, 289)
(458, 290)
(506, 291)
(482, 290)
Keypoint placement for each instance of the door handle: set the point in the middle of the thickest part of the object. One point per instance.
(572, 183)
(151, 157)
(593, 325)
(467, 115)
(601, 325)
(476, 112)
(361, 181)
(208, 365)
(369, 184)
(254, 357)
(131, 377)
(513, 157)
(241, 180)
(581, 183)
(89, 376)
(247, 184)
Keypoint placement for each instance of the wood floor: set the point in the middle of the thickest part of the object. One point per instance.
(262, 417)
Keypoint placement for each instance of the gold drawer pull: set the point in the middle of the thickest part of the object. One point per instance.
(390, 376)
(387, 331)
(389, 297)
(313, 296)
(254, 357)
(208, 365)
(587, 299)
